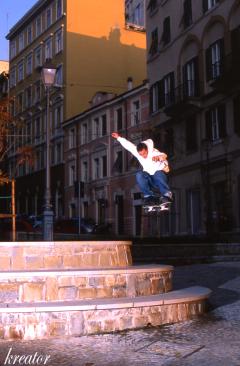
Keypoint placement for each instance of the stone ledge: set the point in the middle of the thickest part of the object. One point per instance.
(190, 294)
(52, 243)
(41, 320)
(71, 285)
(56, 255)
(146, 268)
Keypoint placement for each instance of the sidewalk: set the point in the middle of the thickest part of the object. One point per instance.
(213, 340)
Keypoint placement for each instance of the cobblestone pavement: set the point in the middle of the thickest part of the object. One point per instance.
(212, 340)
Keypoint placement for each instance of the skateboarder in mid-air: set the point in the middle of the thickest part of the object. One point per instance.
(155, 169)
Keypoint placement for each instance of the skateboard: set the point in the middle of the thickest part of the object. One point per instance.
(157, 207)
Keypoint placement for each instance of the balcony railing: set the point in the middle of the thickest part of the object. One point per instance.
(225, 73)
(182, 99)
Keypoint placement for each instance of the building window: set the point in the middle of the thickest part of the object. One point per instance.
(167, 90)
(72, 138)
(119, 119)
(48, 49)
(135, 115)
(29, 34)
(154, 97)
(37, 91)
(208, 4)
(214, 60)
(118, 164)
(84, 133)
(12, 49)
(38, 56)
(29, 132)
(37, 129)
(166, 35)
(20, 102)
(191, 78)
(96, 128)
(96, 168)
(29, 64)
(20, 71)
(59, 75)
(191, 135)
(216, 123)
(39, 159)
(38, 26)
(48, 17)
(59, 9)
(138, 15)
(58, 41)
(104, 166)
(28, 97)
(154, 42)
(21, 42)
(58, 117)
(104, 124)
(187, 13)
(12, 81)
(58, 153)
(72, 174)
(84, 171)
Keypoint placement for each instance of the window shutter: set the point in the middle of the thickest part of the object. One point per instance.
(222, 120)
(172, 87)
(222, 54)
(161, 96)
(236, 114)
(205, 5)
(185, 81)
(196, 77)
(208, 64)
(208, 120)
(166, 36)
(151, 99)
(187, 13)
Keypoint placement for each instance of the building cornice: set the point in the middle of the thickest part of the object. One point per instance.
(31, 13)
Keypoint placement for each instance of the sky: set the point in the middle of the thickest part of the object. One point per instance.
(10, 12)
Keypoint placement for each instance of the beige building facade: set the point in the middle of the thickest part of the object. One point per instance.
(193, 56)
(91, 53)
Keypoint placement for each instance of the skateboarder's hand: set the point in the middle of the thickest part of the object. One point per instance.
(157, 158)
(115, 135)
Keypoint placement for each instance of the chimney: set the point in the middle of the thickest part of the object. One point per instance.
(129, 83)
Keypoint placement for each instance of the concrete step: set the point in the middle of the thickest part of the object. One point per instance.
(43, 319)
(46, 285)
(64, 255)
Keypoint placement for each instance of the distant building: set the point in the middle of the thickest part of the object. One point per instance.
(4, 76)
(99, 167)
(193, 69)
(91, 47)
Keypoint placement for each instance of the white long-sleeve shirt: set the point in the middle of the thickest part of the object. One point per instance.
(150, 166)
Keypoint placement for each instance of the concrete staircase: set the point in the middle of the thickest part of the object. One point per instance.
(76, 288)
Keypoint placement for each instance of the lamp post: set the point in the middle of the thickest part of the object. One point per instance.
(48, 78)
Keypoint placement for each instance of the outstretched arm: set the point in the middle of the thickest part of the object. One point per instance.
(126, 144)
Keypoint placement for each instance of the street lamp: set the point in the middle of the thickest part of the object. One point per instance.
(48, 78)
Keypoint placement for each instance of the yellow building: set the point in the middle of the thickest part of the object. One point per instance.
(93, 50)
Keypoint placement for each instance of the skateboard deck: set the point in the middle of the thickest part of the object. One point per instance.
(157, 208)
